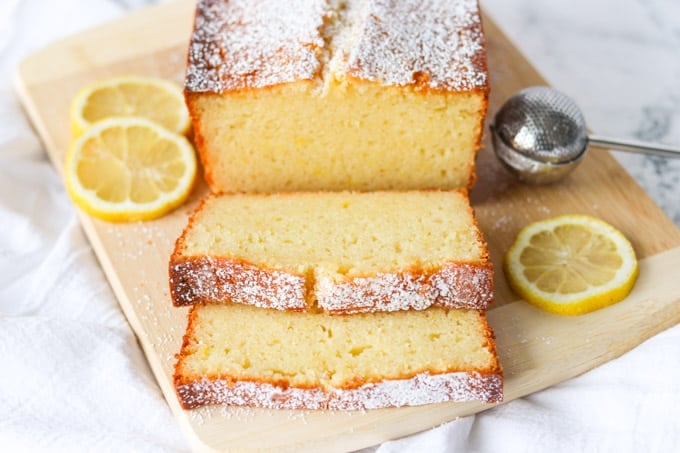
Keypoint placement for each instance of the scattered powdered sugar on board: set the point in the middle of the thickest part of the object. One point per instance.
(547, 340)
(201, 415)
(300, 415)
(502, 223)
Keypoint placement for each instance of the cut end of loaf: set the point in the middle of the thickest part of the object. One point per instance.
(342, 252)
(318, 361)
(356, 137)
(342, 95)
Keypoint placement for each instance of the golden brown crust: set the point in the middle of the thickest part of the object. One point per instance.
(213, 279)
(199, 139)
(222, 279)
(431, 47)
(239, 44)
(482, 65)
(458, 387)
(478, 145)
(219, 280)
(453, 285)
(196, 280)
(421, 389)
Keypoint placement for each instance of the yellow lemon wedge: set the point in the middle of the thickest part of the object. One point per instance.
(155, 99)
(571, 264)
(127, 169)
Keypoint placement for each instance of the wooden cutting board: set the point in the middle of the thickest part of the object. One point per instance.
(537, 349)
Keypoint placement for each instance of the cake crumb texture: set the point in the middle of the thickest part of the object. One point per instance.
(344, 252)
(312, 95)
(240, 355)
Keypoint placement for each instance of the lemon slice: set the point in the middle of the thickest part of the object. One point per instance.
(126, 169)
(156, 99)
(571, 264)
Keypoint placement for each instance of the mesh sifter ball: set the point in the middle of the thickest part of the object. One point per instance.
(540, 135)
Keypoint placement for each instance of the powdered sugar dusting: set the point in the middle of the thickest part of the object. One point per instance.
(240, 44)
(211, 279)
(424, 388)
(437, 42)
(463, 285)
(453, 286)
(214, 280)
(254, 43)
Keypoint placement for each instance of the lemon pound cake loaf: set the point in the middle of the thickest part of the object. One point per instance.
(292, 360)
(337, 95)
(343, 252)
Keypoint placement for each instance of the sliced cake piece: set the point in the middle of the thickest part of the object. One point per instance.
(310, 95)
(245, 356)
(344, 252)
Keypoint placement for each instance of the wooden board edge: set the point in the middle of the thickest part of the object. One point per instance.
(195, 440)
(538, 330)
(152, 355)
(38, 124)
(73, 53)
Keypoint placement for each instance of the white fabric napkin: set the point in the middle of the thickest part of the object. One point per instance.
(73, 377)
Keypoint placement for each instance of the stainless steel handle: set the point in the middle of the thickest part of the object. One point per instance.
(633, 146)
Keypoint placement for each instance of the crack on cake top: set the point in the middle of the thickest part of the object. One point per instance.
(252, 44)
(240, 44)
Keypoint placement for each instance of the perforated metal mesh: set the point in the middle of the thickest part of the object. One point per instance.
(542, 124)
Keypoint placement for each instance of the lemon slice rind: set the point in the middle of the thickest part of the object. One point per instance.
(127, 210)
(79, 123)
(595, 297)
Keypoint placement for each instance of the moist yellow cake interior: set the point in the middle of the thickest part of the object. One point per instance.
(338, 95)
(352, 136)
(348, 234)
(315, 349)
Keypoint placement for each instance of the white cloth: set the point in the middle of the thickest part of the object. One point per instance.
(73, 377)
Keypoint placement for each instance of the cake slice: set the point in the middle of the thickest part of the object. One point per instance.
(311, 95)
(343, 252)
(245, 356)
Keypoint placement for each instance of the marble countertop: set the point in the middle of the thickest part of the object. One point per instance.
(619, 60)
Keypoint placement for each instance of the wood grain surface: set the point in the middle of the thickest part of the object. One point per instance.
(537, 349)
